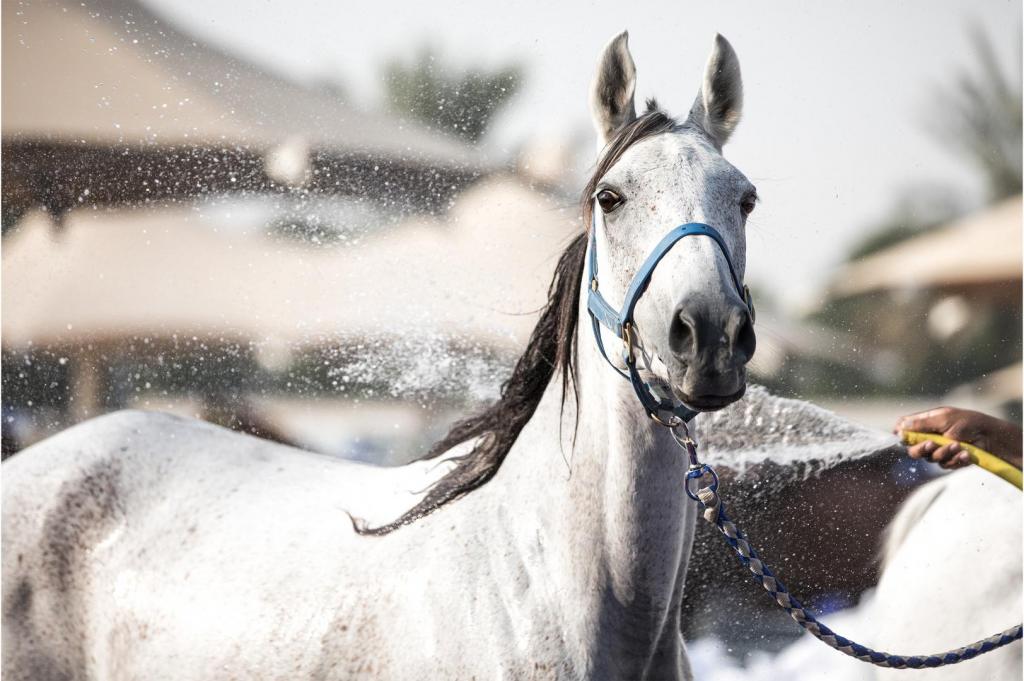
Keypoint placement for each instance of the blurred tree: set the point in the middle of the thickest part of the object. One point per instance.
(976, 114)
(462, 102)
(907, 356)
(980, 117)
(918, 210)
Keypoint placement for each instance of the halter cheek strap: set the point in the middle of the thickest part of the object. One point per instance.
(621, 323)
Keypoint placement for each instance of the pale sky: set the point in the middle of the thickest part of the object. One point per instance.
(837, 97)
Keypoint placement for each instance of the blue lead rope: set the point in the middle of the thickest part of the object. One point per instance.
(714, 512)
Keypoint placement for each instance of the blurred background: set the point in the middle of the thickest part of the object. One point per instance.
(332, 225)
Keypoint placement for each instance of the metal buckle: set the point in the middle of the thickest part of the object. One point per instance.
(748, 300)
(627, 342)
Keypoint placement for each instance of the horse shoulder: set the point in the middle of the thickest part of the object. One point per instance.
(910, 512)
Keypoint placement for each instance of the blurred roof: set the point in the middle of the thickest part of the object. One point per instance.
(482, 274)
(780, 337)
(996, 387)
(982, 248)
(111, 71)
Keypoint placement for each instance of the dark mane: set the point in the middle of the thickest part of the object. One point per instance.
(551, 348)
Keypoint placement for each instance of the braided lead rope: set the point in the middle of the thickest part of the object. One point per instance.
(714, 512)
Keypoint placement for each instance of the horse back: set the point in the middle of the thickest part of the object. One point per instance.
(134, 541)
(952, 575)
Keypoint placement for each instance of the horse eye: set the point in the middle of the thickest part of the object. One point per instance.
(747, 205)
(608, 200)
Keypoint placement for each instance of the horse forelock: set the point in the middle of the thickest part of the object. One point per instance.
(551, 348)
(652, 122)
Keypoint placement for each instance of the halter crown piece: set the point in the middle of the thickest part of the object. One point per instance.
(621, 323)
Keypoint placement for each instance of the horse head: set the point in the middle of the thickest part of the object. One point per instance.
(692, 326)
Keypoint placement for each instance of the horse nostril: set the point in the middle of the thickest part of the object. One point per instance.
(697, 329)
(682, 337)
(744, 340)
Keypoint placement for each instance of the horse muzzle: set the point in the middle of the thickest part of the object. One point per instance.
(710, 345)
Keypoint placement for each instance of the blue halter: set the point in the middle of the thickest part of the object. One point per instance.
(622, 323)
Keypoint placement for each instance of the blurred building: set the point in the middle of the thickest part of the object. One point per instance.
(105, 103)
(186, 231)
(943, 310)
(978, 256)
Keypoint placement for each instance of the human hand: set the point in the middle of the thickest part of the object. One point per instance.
(994, 435)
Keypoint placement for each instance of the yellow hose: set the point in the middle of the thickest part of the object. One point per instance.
(990, 462)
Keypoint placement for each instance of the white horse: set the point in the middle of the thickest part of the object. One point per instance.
(554, 536)
(952, 575)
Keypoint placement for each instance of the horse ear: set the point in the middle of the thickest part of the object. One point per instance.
(611, 92)
(720, 101)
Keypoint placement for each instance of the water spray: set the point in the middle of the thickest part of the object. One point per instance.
(702, 486)
(807, 439)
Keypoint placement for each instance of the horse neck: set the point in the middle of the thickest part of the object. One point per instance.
(609, 508)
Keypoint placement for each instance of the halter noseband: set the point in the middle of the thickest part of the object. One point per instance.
(623, 325)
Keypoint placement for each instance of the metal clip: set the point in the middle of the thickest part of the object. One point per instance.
(686, 441)
(672, 424)
(697, 473)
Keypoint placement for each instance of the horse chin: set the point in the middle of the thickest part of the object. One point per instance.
(710, 402)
